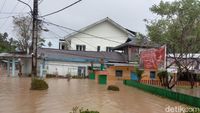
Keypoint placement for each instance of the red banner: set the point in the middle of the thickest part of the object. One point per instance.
(153, 58)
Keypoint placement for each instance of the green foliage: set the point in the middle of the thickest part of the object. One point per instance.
(6, 45)
(194, 111)
(88, 111)
(139, 73)
(23, 29)
(178, 25)
(81, 110)
(38, 84)
(113, 88)
(162, 74)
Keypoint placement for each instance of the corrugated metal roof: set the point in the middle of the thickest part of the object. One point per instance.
(14, 55)
(74, 55)
(137, 43)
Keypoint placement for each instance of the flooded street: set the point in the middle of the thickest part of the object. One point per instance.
(62, 96)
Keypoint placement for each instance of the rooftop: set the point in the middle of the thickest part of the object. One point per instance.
(80, 56)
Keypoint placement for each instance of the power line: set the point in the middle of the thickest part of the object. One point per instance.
(2, 6)
(40, 2)
(77, 38)
(82, 40)
(12, 12)
(81, 32)
(6, 17)
(14, 8)
(99, 57)
(61, 9)
(25, 6)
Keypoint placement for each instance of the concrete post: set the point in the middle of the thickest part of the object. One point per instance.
(41, 70)
(8, 67)
(13, 67)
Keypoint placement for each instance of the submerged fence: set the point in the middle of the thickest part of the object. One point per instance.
(158, 83)
(183, 98)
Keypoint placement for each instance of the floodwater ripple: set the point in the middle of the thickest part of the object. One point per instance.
(63, 95)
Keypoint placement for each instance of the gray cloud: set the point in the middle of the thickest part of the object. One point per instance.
(128, 13)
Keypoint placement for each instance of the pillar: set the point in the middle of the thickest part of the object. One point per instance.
(1, 68)
(41, 70)
(8, 67)
(86, 70)
(13, 67)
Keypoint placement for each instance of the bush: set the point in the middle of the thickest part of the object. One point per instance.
(50, 75)
(113, 88)
(37, 84)
(87, 111)
(80, 110)
(79, 77)
(139, 73)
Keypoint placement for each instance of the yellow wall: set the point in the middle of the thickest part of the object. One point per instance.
(146, 75)
(111, 78)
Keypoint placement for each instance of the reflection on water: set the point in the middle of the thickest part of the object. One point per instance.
(187, 90)
(62, 96)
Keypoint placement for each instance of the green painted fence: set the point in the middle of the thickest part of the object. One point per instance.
(183, 98)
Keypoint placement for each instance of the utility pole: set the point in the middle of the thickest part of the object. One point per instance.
(34, 37)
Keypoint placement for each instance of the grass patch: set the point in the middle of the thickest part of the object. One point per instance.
(81, 110)
(38, 84)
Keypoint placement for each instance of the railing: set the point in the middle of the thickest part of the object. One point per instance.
(158, 83)
(183, 98)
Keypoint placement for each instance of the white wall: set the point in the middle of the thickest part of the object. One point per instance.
(63, 68)
(26, 66)
(106, 30)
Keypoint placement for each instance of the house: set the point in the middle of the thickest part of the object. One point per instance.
(9, 63)
(99, 36)
(113, 73)
(63, 62)
(132, 51)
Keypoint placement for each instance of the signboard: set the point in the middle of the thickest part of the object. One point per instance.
(153, 58)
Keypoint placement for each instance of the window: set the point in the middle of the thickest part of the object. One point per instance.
(118, 73)
(98, 48)
(80, 47)
(109, 49)
(152, 74)
(62, 47)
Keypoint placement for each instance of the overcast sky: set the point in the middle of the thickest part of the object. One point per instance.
(128, 13)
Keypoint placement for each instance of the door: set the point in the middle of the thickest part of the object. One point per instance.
(92, 76)
(81, 71)
(102, 79)
(134, 76)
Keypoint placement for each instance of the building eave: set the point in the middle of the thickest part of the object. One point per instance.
(68, 37)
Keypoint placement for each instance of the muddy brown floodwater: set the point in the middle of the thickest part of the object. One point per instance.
(62, 96)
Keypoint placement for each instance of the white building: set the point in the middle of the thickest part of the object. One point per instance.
(99, 36)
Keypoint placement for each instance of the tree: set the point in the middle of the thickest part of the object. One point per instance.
(23, 29)
(139, 73)
(6, 45)
(178, 27)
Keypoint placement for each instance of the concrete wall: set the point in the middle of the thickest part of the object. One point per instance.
(63, 68)
(111, 73)
(146, 74)
(26, 66)
(105, 30)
